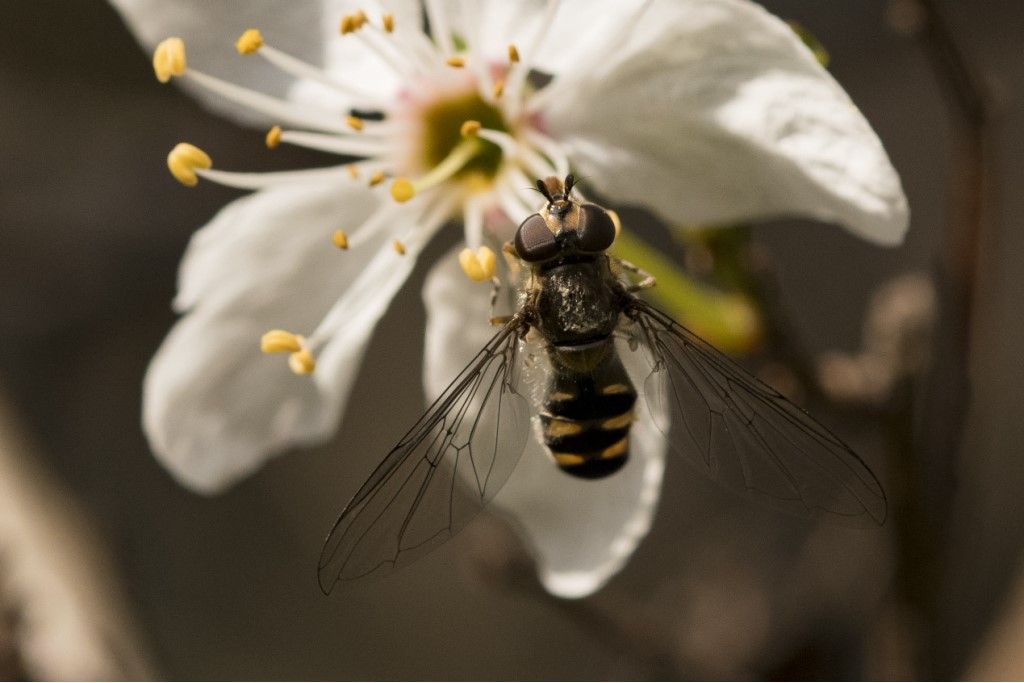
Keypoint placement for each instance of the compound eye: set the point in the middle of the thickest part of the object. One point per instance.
(596, 231)
(534, 242)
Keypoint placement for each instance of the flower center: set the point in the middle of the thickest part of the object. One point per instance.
(442, 123)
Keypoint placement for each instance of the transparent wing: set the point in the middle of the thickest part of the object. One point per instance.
(441, 473)
(745, 434)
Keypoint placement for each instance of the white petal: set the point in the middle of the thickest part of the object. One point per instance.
(582, 532)
(210, 30)
(215, 407)
(713, 112)
(256, 243)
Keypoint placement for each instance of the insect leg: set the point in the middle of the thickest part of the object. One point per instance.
(508, 250)
(497, 320)
(646, 279)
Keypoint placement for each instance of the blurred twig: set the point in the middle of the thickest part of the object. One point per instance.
(929, 465)
(61, 614)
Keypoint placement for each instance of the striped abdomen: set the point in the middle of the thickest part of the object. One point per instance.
(588, 409)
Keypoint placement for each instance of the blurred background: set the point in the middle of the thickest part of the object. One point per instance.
(109, 569)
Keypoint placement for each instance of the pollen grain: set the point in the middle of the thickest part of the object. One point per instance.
(169, 59)
(340, 239)
(184, 159)
(273, 138)
(249, 42)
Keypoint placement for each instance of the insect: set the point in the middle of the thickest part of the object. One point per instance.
(579, 305)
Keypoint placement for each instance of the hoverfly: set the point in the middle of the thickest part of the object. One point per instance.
(576, 301)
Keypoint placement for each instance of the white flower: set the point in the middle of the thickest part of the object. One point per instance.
(705, 111)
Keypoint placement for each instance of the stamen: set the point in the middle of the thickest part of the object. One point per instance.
(303, 70)
(302, 362)
(348, 25)
(258, 181)
(521, 186)
(498, 88)
(169, 59)
(354, 122)
(519, 70)
(353, 171)
(456, 62)
(273, 138)
(280, 341)
(414, 44)
(473, 221)
(379, 220)
(377, 178)
(513, 54)
(347, 144)
(402, 190)
(551, 149)
(478, 266)
(184, 160)
(469, 128)
(514, 207)
(340, 239)
(250, 41)
(388, 21)
(386, 50)
(379, 272)
(399, 247)
(275, 108)
(513, 149)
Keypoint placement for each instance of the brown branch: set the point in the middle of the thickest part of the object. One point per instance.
(62, 613)
(927, 471)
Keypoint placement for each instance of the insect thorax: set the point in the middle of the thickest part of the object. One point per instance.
(576, 302)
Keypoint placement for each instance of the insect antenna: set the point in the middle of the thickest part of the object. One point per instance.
(543, 189)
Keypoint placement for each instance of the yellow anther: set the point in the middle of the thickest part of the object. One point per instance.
(377, 178)
(513, 53)
(389, 22)
(615, 221)
(498, 88)
(398, 247)
(456, 62)
(302, 362)
(249, 42)
(300, 359)
(340, 239)
(353, 171)
(273, 138)
(354, 122)
(402, 190)
(348, 24)
(360, 18)
(469, 128)
(169, 59)
(280, 341)
(478, 266)
(183, 161)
